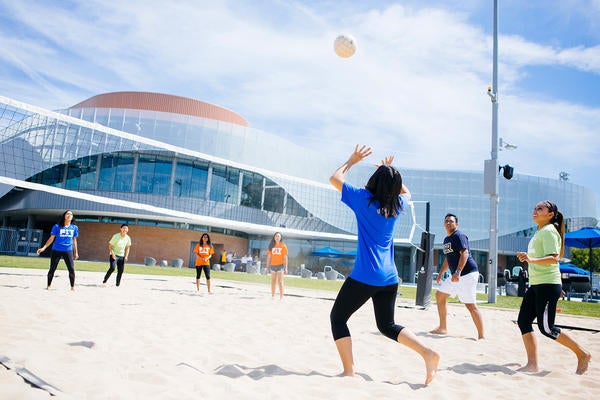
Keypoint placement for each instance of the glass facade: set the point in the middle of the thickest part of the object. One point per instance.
(232, 174)
(167, 175)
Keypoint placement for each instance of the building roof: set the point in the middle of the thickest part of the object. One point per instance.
(164, 103)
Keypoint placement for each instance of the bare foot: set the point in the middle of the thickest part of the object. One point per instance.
(529, 368)
(432, 360)
(104, 284)
(349, 374)
(72, 288)
(583, 363)
(48, 287)
(439, 331)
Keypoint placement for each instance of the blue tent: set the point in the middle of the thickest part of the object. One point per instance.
(584, 238)
(327, 252)
(572, 269)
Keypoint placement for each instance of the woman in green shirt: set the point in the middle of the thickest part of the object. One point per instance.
(543, 252)
(118, 248)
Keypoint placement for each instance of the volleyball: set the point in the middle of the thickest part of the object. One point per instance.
(344, 46)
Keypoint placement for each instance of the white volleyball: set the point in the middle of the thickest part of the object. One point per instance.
(344, 46)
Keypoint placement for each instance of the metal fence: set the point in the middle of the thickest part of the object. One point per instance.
(8, 240)
(20, 242)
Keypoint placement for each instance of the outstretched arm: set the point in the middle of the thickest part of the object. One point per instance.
(45, 246)
(339, 175)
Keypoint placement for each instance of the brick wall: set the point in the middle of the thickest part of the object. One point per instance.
(148, 241)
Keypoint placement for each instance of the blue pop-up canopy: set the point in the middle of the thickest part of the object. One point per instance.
(327, 252)
(584, 238)
(572, 269)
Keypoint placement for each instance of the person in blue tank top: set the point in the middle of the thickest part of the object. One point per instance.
(374, 276)
(64, 236)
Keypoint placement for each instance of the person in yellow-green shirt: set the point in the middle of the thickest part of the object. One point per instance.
(118, 248)
(545, 248)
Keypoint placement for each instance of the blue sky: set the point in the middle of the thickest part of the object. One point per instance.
(416, 87)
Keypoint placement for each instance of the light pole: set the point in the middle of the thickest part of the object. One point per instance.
(490, 179)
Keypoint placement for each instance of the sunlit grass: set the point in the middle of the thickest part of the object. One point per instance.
(406, 292)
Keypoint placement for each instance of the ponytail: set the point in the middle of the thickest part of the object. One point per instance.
(558, 221)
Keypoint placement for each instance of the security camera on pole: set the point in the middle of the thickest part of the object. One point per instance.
(490, 172)
(491, 169)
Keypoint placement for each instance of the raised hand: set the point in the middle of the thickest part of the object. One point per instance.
(360, 154)
(386, 161)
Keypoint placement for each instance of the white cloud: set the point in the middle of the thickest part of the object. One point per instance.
(416, 86)
(516, 50)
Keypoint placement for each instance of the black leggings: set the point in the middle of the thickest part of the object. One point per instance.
(120, 263)
(205, 268)
(55, 257)
(353, 295)
(540, 302)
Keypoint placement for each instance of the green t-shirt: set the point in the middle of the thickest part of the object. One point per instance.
(119, 244)
(546, 241)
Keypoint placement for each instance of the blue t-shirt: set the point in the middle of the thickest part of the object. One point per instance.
(453, 244)
(374, 263)
(63, 237)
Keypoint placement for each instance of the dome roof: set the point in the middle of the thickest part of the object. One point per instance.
(163, 103)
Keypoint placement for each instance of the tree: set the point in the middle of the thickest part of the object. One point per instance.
(580, 257)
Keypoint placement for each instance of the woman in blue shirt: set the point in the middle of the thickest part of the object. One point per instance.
(64, 235)
(374, 276)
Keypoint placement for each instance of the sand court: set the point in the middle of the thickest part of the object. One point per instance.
(156, 337)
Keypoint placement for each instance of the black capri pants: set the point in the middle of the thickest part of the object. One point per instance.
(353, 295)
(55, 257)
(540, 302)
(205, 268)
(119, 262)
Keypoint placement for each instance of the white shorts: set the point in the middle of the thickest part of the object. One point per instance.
(465, 288)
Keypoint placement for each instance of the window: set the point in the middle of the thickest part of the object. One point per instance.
(81, 173)
(116, 172)
(131, 122)
(116, 118)
(153, 174)
(190, 179)
(224, 185)
(294, 208)
(274, 197)
(252, 188)
(51, 177)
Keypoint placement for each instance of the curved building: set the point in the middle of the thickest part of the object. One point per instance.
(173, 167)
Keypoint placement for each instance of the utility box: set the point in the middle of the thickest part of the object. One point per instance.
(490, 177)
(425, 270)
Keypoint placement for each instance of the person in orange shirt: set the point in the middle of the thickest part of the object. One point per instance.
(277, 263)
(204, 251)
